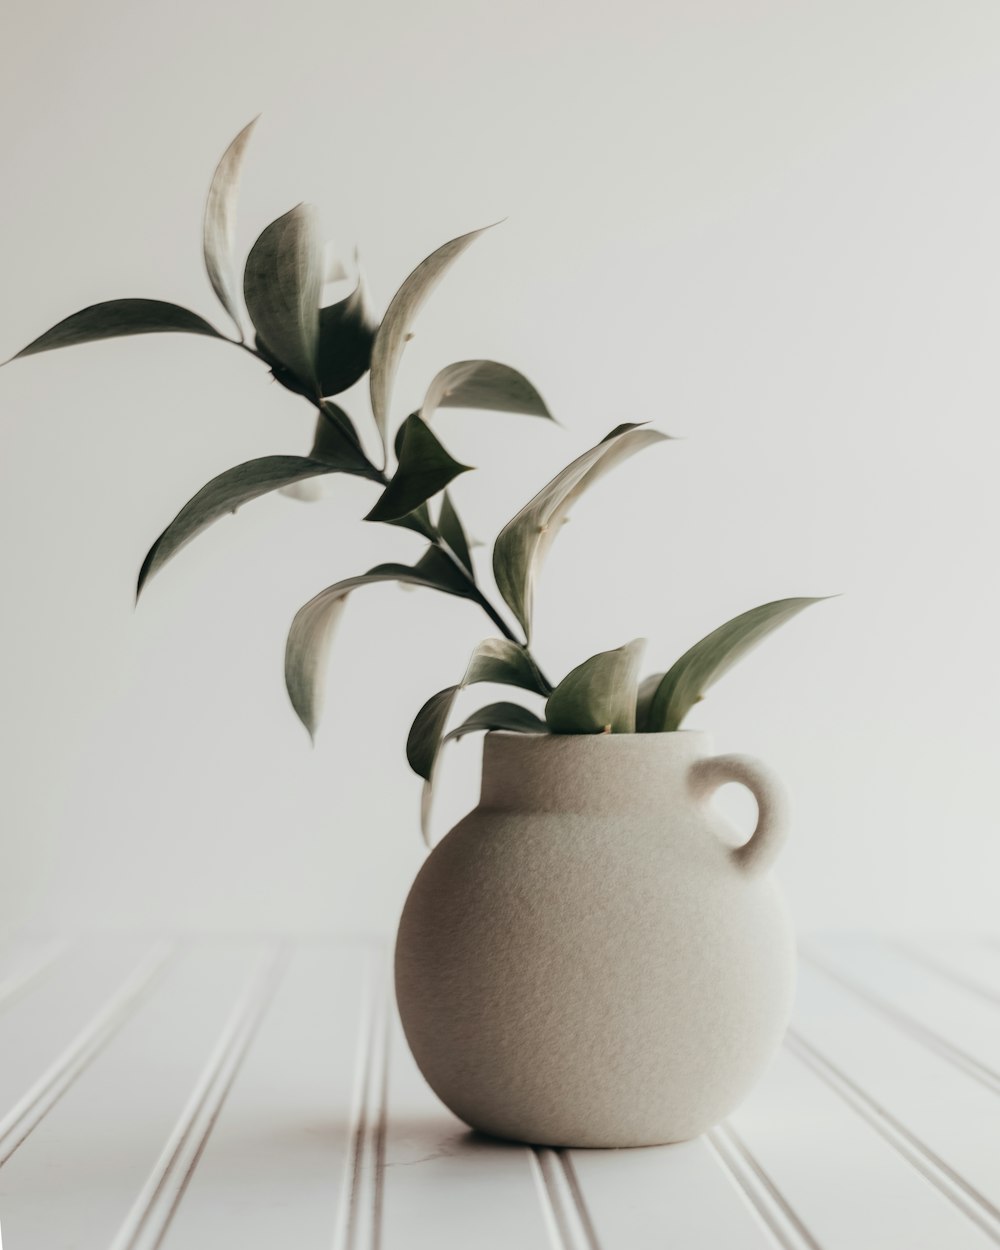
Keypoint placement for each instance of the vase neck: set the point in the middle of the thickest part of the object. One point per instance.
(586, 772)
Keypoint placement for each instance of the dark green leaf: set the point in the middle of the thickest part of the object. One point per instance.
(424, 469)
(524, 542)
(497, 660)
(419, 520)
(312, 629)
(395, 328)
(483, 384)
(346, 334)
(598, 696)
(686, 682)
(453, 533)
(336, 443)
(219, 231)
(509, 716)
(281, 285)
(118, 318)
(222, 495)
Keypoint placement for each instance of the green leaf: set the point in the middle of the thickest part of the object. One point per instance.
(281, 285)
(599, 695)
(678, 690)
(307, 647)
(483, 384)
(346, 335)
(224, 494)
(419, 520)
(336, 443)
(524, 542)
(509, 716)
(497, 660)
(395, 328)
(453, 533)
(118, 318)
(219, 230)
(424, 469)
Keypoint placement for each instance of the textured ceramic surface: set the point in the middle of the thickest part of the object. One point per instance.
(585, 959)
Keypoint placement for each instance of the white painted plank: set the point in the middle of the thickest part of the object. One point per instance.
(446, 1188)
(941, 1013)
(73, 1181)
(666, 1196)
(848, 1188)
(60, 1020)
(273, 1166)
(935, 1114)
(972, 962)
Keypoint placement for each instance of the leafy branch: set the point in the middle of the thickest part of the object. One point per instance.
(319, 350)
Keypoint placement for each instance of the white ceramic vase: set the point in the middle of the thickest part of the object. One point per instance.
(585, 959)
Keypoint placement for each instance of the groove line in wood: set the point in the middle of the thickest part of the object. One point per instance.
(927, 1037)
(359, 1212)
(576, 1190)
(148, 1221)
(960, 1192)
(760, 1192)
(31, 1109)
(566, 1218)
(556, 1210)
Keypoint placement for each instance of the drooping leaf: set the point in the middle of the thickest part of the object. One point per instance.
(219, 230)
(307, 647)
(336, 443)
(118, 318)
(346, 334)
(453, 532)
(679, 689)
(222, 495)
(509, 716)
(599, 695)
(524, 542)
(395, 328)
(281, 286)
(483, 384)
(424, 469)
(497, 660)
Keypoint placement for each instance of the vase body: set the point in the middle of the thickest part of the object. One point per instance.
(586, 959)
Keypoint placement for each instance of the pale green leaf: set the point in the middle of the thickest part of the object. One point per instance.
(524, 542)
(425, 468)
(400, 315)
(496, 660)
(678, 690)
(599, 695)
(483, 384)
(307, 648)
(118, 318)
(282, 283)
(219, 231)
(222, 495)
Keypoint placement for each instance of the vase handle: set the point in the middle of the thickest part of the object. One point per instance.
(760, 850)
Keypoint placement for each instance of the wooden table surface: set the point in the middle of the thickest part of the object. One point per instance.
(237, 1095)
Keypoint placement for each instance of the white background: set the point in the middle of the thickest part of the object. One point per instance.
(773, 228)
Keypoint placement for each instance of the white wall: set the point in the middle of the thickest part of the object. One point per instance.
(773, 228)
